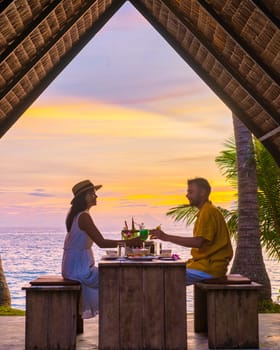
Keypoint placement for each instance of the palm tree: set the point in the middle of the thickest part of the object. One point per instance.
(248, 259)
(5, 297)
(252, 229)
(268, 173)
(268, 176)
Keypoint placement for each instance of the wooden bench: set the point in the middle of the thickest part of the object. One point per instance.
(227, 308)
(52, 318)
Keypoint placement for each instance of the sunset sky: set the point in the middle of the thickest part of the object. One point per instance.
(127, 113)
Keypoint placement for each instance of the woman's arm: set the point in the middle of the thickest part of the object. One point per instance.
(86, 224)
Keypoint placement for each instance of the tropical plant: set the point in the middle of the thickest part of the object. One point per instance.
(268, 178)
(267, 222)
(268, 175)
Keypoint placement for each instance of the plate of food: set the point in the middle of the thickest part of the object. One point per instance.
(140, 257)
(168, 257)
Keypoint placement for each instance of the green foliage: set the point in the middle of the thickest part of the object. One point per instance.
(231, 217)
(268, 176)
(268, 307)
(227, 162)
(8, 311)
(183, 212)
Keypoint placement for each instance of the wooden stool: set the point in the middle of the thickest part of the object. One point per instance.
(52, 320)
(228, 309)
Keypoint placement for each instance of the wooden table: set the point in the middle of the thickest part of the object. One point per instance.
(142, 305)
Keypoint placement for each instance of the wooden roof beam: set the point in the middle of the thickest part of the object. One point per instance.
(197, 68)
(12, 117)
(266, 12)
(275, 76)
(270, 134)
(206, 77)
(5, 4)
(57, 37)
(204, 41)
(33, 25)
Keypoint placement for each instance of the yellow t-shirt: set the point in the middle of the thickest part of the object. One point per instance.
(215, 254)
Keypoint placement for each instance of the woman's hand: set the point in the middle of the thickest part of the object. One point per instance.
(158, 234)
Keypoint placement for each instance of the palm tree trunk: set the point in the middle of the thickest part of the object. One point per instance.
(5, 297)
(248, 258)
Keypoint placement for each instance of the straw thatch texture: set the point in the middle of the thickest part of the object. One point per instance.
(234, 46)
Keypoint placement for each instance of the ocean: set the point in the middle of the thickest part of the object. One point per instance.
(29, 253)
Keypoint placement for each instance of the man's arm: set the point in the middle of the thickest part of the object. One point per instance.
(191, 242)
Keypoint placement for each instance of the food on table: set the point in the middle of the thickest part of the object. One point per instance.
(129, 233)
(138, 252)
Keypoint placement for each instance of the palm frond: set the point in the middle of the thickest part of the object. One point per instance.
(231, 217)
(227, 163)
(183, 212)
(268, 174)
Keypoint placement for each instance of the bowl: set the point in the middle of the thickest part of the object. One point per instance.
(140, 251)
(165, 253)
(111, 252)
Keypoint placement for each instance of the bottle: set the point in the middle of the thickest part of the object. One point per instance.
(121, 249)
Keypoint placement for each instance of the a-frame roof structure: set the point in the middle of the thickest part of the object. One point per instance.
(233, 45)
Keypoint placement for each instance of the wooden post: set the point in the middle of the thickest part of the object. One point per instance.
(200, 310)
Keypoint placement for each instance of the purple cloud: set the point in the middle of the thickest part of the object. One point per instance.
(39, 192)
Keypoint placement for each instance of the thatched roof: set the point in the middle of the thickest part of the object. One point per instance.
(234, 46)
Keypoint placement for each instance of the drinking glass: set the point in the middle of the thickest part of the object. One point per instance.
(121, 249)
(144, 234)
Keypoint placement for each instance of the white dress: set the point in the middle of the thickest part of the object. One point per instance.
(78, 265)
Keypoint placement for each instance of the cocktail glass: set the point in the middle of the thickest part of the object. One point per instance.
(144, 234)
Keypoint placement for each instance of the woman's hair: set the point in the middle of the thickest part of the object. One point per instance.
(79, 204)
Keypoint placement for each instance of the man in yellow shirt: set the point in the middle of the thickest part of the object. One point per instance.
(211, 246)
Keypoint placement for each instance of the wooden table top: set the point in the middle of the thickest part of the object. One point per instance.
(123, 262)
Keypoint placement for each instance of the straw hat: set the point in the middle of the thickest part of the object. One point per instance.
(83, 186)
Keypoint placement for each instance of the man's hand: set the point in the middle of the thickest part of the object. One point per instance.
(158, 234)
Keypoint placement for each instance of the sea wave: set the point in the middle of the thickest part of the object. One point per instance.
(29, 253)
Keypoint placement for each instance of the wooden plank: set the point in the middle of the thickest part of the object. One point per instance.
(62, 320)
(131, 306)
(153, 312)
(51, 319)
(200, 309)
(250, 286)
(232, 319)
(175, 308)
(36, 322)
(53, 280)
(228, 279)
(109, 308)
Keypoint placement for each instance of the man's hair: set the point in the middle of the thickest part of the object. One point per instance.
(202, 183)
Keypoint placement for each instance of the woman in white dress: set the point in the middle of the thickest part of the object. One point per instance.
(78, 260)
